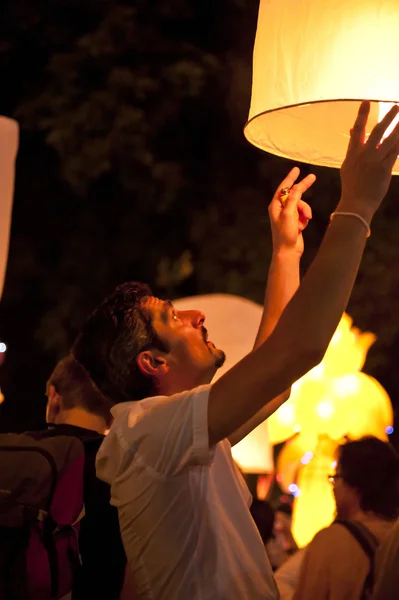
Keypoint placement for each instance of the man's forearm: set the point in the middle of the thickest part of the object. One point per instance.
(301, 336)
(282, 283)
(314, 312)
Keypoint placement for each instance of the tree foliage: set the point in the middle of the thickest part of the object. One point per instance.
(133, 166)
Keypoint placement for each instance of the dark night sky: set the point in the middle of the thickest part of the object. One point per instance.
(132, 164)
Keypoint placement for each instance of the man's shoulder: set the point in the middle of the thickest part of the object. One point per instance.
(151, 414)
(153, 402)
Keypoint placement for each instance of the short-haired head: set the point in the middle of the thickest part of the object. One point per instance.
(111, 339)
(75, 389)
(369, 468)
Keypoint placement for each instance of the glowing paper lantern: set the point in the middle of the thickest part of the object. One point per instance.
(8, 152)
(233, 323)
(369, 409)
(314, 505)
(347, 351)
(313, 61)
(331, 401)
(318, 411)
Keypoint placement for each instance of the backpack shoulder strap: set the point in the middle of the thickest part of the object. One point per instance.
(369, 544)
(362, 535)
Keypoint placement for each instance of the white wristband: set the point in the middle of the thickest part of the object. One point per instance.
(350, 214)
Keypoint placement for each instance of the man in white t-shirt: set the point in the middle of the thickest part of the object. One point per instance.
(183, 506)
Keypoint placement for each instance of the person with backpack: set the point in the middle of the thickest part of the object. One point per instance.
(70, 543)
(339, 562)
(182, 504)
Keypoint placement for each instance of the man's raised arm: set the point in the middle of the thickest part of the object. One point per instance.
(305, 328)
(288, 219)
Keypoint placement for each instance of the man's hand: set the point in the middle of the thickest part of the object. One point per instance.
(367, 169)
(289, 217)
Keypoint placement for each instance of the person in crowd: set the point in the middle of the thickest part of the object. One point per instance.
(182, 504)
(281, 544)
(339, 561)
(76, 407)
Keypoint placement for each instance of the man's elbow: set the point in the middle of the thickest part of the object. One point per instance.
(303, 359)
(285, 395)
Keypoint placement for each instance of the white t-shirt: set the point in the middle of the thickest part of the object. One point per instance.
(183, 507)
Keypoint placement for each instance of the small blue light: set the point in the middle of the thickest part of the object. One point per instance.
(293, 488)
(297, 493)
(389, 429)
(3, 347)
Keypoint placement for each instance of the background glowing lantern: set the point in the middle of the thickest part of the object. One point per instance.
(293, 455)
(369, 409)
(314, 506)
(347, 351)
(232, 323)
(313, 61)
(8, 152)
(333, 400)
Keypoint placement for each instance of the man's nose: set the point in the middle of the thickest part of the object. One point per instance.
(196, 317)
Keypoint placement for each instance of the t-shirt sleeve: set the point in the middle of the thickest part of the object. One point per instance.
(169, 434)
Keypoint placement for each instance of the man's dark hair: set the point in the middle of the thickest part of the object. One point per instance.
(73, 384)
(111, 339)
(371, 467)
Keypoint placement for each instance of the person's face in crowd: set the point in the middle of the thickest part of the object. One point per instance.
(282, 530)
(192, 359)
(346, 498)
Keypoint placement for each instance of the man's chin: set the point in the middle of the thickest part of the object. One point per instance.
(220, 358)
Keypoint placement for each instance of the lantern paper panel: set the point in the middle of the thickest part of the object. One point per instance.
(9, 134)
(313, 62)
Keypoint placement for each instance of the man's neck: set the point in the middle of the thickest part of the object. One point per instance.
(82, 418)
(169, 386)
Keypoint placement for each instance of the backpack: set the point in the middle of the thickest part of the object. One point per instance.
(369, 544)
(41, 505)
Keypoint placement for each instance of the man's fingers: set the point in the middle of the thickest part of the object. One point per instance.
(304, 210)
(296, 192)
(392, 155)
(304, 214)
(302, 223)
(358, 131)
(381, 127)
(390, 143)
(289, 181)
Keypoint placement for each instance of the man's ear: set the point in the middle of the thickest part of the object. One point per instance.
(151, 364)
(53, 408)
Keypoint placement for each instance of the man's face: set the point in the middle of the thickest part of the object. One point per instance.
(192, 356)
